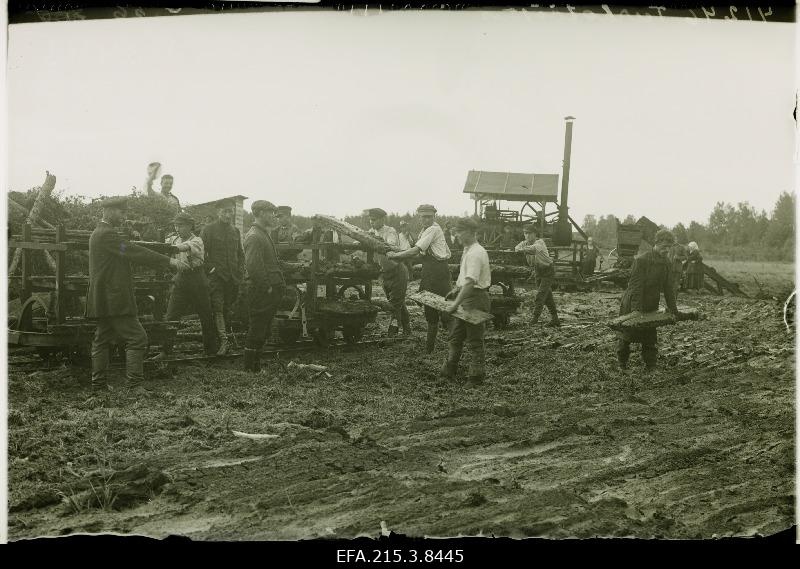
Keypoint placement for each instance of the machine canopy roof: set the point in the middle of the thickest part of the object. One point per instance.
(512, 186)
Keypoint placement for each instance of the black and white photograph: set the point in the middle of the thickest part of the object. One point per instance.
(323, 274)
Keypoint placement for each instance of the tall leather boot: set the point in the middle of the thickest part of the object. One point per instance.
(405, 322)
(537, 311)
(134, 368)
(554, 321)
(477, 364)
(450, 367)
(430, 344)
(100, 360)
(623, 354)
(219, 321)
(650, 357)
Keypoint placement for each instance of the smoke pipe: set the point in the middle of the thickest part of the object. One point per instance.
(564, 209)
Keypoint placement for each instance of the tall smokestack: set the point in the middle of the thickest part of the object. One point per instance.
(563, 230)
(564, 209)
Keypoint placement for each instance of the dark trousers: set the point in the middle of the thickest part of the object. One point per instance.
(461, 331)
(544, 297)
(222, 295)
(435, 279)
(647, 338)
(190, 295)
(263, 302)
(395, 285)
(109, 330)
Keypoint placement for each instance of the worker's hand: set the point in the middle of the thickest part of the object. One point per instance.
(452, 294)
(391, 254)
(452, 308)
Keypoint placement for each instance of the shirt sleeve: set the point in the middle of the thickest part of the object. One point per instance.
(472, 267)
(196, 248)
(425, 239)
(392, 238)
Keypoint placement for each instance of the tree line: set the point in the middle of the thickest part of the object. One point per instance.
(737, 232)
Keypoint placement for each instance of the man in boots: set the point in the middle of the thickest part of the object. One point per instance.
(471, 292)
(539, 258)
(110, 299)
(432, 246)
(190, 289)
(224, 264)
(651, 275)
(394, 274)
(265, 283)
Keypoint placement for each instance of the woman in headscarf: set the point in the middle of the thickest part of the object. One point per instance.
(694, 268)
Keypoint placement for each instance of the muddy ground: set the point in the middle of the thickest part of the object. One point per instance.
(558, 443)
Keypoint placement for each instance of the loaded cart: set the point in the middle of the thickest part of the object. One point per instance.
(333, 292)
(50, 317)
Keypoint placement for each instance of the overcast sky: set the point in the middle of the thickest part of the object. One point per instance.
(336, 112)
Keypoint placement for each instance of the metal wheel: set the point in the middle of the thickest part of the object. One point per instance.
(353, 333)
(322, 336)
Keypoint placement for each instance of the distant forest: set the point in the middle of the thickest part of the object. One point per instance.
(732, 232)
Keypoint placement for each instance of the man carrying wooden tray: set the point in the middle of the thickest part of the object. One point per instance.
(651, 275)
(432, 246)
(471, 292)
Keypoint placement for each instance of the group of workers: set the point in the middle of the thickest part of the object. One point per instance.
(210, 268)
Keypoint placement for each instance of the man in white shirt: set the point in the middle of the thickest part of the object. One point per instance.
(539, 258)
(471, 292)
(190, 291)
(431, 245)
(393, 273)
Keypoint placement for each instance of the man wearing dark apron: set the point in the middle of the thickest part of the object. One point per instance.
(432, 247)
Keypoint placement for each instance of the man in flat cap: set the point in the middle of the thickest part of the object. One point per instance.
(393, 273)
(286, 231)
(471, 292)
(190, 290)
(432, 246)
(110, 299)
(224, 265)
(265, 283)
(651, 275)
(538, 257)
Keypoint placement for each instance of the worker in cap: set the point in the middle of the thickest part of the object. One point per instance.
(167, 181)
(651, 276)
(695, 273)
(394, 274)
(190, 289)
(539, 259)
(265, 283)
(432, 247)
(110, 299)
(224, 266)
(286, 231)
(471, 292)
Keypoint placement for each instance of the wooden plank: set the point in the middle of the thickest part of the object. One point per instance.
(356, 233)
(61, 268)
(38, 246)
(642, 321)
(439, 303)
